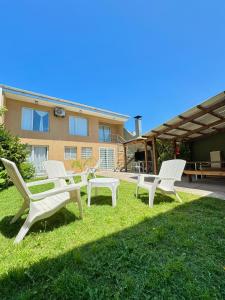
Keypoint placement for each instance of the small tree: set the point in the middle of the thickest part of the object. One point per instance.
(2, 110)
(82, 164)
(10, 148)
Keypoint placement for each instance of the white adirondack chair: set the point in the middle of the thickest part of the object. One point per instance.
(56, 169)
(45, 204)
(171, 171)
(93, 170)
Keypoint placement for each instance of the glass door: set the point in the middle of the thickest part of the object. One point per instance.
(104, 134)
(107, 158)
(38, 155)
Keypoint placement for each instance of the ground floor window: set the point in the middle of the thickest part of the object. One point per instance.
(86, 152)
(107, 158)
(70, 152)
(38, 154)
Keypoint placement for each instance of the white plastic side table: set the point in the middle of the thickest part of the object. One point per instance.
(111, 183)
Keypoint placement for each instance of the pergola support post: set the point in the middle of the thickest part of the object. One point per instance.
(174, 149)
(155, 156)
(125, 157)
(146, 156)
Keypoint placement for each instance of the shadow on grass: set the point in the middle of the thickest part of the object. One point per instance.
(61, 218)
(177, 254)
(101, 200)
(159, 198)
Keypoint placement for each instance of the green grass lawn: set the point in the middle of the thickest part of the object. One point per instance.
(173, 251)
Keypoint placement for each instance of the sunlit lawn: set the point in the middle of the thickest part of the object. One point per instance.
(173, 251)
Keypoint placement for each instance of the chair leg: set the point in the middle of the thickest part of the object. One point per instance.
(79, 204)
(137, 189)
(23, 230)
(89, 194)
(178, 197)
(151, 195)
(114, 196)
(19, 213)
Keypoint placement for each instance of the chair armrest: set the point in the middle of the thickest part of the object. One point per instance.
(56, 191)
(148, 176)
(71, 175)
(169, 178)
(40, 182)
(157, 176)
(151, 175)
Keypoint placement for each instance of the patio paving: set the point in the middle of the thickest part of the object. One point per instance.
(210, 187)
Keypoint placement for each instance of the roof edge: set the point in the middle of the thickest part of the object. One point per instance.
(47, 98)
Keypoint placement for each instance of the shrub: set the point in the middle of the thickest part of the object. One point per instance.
(10, 148)
(185, 152)
(165, 151)
(3, 178)
(27, 170)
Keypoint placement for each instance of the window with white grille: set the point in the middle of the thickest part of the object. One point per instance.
(70, 153)
(86, 152)
(107, 158)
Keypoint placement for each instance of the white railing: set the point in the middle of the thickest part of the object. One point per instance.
(112, 138)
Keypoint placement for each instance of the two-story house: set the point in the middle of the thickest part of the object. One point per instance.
(63, 130)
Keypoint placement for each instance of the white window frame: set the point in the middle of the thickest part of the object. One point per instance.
(84, 156)
(76, 118)
(32, 119)
(110, 135)
(31, 159)
(70, 158)
(114, 155)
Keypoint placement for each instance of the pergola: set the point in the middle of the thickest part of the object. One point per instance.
(203, 120)
(139, 140)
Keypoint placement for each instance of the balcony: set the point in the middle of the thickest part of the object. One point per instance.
(111, 138)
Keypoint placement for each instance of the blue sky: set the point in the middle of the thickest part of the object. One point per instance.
(153, 58)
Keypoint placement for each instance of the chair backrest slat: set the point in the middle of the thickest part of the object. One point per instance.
(16, 178)
(54, 168)
(172, 169)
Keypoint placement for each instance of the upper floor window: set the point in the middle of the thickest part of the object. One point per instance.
(70, 152)
(35, 120)
(104, 133)
(86, 152)
(78, 126)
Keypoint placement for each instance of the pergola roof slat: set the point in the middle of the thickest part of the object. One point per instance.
(200, 120)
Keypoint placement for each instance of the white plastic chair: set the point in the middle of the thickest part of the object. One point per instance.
(56, 169)
(46, 204)
(170, 172)
(93, 170)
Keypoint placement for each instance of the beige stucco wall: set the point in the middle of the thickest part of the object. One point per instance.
(58, 136)
(58, 127)
(56, 149)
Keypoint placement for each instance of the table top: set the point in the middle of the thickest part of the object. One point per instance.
(104, 180)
